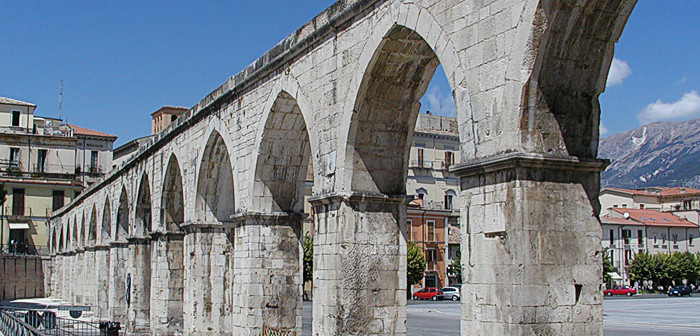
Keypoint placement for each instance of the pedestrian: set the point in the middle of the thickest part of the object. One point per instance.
(13, 246)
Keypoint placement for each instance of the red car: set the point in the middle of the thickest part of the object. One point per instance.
(428, 293)
(620, 290)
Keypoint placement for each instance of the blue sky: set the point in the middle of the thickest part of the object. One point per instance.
(122, 60)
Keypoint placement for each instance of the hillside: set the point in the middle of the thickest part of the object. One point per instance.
(658, 154)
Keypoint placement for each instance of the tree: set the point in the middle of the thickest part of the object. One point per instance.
(607, 265)
(416, 264)
(308, 246)
(456, 266)
(644, 267)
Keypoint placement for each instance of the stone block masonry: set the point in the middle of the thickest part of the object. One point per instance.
(22, 277)
(200, 230)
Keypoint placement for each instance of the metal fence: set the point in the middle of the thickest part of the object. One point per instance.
(48, 323)
(270, 331)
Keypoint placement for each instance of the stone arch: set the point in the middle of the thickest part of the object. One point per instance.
(386, 109)
(561, 113)
(172, 217)
(143, 223)
(106, 228)
(284, 156)
(75, 240)
(215, 189)
(123, 216)
(172, 205)
(92, 227)
(432, 34)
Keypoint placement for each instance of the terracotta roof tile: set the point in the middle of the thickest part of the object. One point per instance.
(84, 131)
(655, 218)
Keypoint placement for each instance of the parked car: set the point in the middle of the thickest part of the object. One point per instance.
(680, 291)
(449, 293)
(428, 293)
(620, 290)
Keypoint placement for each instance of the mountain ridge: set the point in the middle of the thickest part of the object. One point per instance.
(657, 154)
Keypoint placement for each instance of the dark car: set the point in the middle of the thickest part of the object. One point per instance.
(680, 291)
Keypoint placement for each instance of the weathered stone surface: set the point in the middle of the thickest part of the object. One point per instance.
(341, 95)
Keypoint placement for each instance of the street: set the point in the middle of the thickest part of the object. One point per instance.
(643, 315)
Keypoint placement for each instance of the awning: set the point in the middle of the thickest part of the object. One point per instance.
(614, 276)
(19, 226)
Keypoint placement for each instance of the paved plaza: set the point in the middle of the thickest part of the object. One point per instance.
(643, 315)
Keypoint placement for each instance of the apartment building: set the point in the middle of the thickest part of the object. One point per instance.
(672, 199)
(628, 231)
(44, 163)
(433, 217)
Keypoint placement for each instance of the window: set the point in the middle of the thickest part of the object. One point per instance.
(626, 234)
(14, 156)
(173, 118)
(430, 255)
(93, 161)
(430, 227)
(449, 197)
(663, 239)
(628, 256)
(624, 206)
(420, 157)
(612, 237)
(640, 238)
(58, 198)
(654, 239)
(690, 240)
(686, 205)
(449, 159)
(675, 239)
(409, 229)
(614, 206)
(641, 206)
(18, 202)
(15, 118)
(41, 160)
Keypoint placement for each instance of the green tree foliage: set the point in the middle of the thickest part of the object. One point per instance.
(665, 268)
(416, 263)
(644, 267)
(607, 265)
(308, 246)
(456, 266)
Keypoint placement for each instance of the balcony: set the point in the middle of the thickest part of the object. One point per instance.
(421, 164)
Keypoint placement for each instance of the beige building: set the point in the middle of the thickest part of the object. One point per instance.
(628, 231)
(43, 165)
(656, 198)
(161, 118)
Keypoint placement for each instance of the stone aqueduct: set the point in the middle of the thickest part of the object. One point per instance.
(205, 220)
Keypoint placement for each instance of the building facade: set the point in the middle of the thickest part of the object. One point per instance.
(627, 232)
(433, 216)
(44, 164)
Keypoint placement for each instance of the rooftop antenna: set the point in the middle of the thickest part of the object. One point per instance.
(60, 99)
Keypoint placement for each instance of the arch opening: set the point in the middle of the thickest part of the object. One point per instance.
(215, 192)
(123, 216)
(92, 227)
(283, 164)
(386, 110)
(172, 201)
(106, 234)
(143, 223)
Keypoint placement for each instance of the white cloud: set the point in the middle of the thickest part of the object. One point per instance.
(619, 70)
(440, 103)
(687, 107)
(602, 130)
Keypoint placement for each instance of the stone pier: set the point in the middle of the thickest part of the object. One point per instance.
(359, 264)
(268, 281)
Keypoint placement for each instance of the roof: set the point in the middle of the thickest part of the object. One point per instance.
(10, 101)
(654, 218)
(658, 191)
(84, 131)
(178, 109)
(619, 221)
